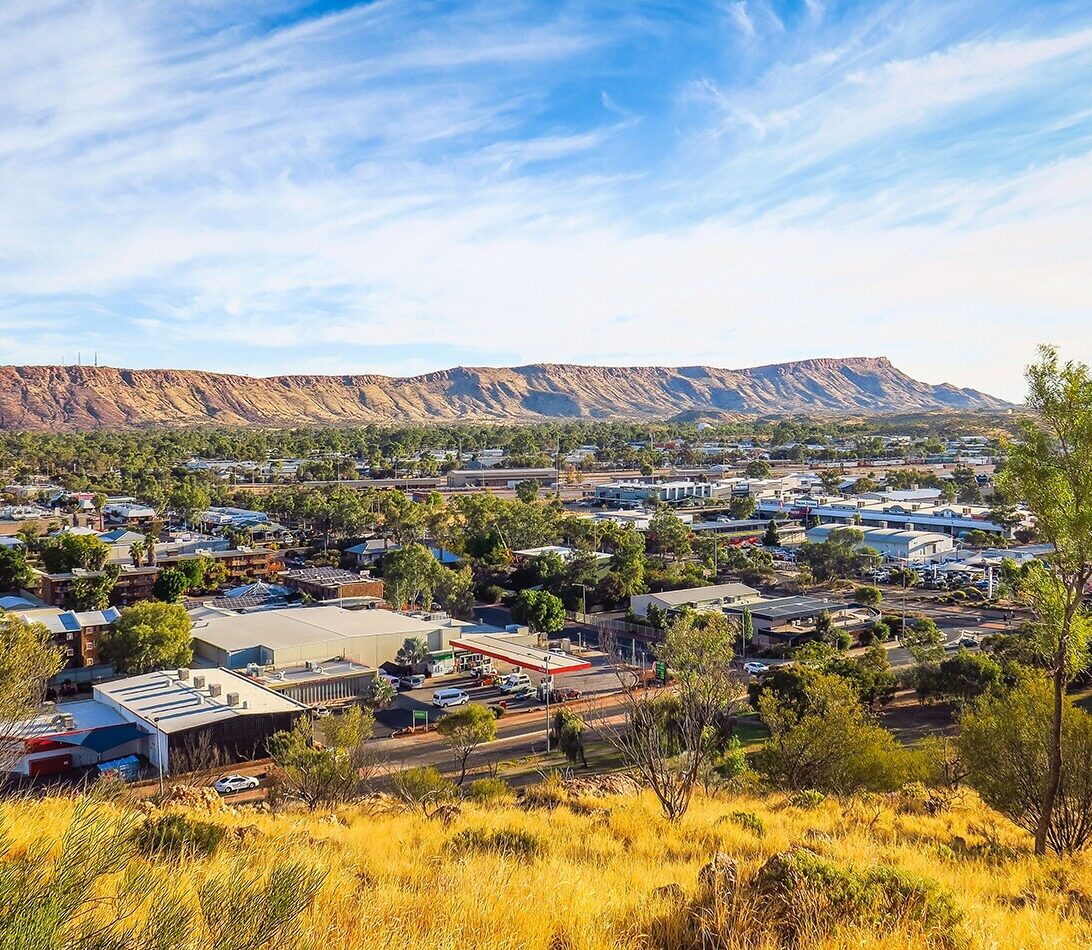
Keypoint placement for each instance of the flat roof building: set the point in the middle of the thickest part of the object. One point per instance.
(295, 636)
(183, 709)
(500, 477)
(333, 583)
(894, 544)
(714, 597)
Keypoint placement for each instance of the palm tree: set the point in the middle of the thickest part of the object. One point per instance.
(413, 651)
(136, 552)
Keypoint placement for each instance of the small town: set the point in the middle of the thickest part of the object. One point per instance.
(194, 632)
(538, 475)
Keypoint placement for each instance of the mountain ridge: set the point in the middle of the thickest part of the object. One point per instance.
(98, 397)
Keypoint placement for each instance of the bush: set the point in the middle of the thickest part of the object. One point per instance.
(423, 788)
(867, 637)
(549, 793)
(805, 896)
(868, 595)
(824, 739)
(176, 835)
(488, 790)
(509, 842)
(807, 799)
(748, 821)
(493, 594)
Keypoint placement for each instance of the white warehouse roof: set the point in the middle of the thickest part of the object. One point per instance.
(173, 704)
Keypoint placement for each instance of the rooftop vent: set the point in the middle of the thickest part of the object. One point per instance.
(232, 699)
(199, 682)
(183, 674)
(214, 689)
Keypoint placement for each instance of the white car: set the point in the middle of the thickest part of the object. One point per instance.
(515, 681)
(230, 784)
(754, 667)
(450, 697)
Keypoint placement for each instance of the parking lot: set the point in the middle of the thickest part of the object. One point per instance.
(598, 680)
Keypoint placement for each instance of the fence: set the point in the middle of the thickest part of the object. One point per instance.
(613, 625)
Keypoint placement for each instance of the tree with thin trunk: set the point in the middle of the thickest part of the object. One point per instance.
(466, 729)
(1050, 469)
(669, 733)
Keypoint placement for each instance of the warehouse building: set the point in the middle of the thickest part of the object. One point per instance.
(894, 544)
(501, 477)
(184, 710)
(296, 636)
(70, 737)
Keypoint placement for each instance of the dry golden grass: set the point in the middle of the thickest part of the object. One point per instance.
(394, 880)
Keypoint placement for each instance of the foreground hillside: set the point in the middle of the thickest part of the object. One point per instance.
(599, 872)
(87, 397)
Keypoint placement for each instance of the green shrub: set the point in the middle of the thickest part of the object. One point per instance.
(423, 788)
(493, 594)
(177, 834)
(509, 842)
(804, 896)
(807, 799)
(748, 821)
(549, 793)
(488, 790)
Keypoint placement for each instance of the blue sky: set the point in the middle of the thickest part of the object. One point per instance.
(397, 187)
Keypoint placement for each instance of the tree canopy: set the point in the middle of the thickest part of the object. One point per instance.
(150, 635)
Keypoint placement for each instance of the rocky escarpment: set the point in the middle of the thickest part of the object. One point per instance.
(89, 397)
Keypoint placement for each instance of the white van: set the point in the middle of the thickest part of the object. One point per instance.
(514, 681)
(450, 697)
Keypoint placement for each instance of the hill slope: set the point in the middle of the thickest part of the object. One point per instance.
(606, 873)
(85, 397)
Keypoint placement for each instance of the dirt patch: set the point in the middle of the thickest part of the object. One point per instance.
(910, 721)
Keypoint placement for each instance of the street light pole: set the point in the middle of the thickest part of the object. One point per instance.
(549, 690)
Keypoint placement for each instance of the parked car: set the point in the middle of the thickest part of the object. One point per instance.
(416, 681)
(968, 641)
(515, 681)
(321, 712)
(230, 784)
(557, 651)
(450, 697)
(755, 668)
(524, 692)
(564, 694)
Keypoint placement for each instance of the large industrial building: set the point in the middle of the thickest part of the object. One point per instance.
(892, 543)
(164, 718)
(296, 636)
(183, 710)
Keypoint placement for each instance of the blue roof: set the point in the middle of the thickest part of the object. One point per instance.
(105, 738)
